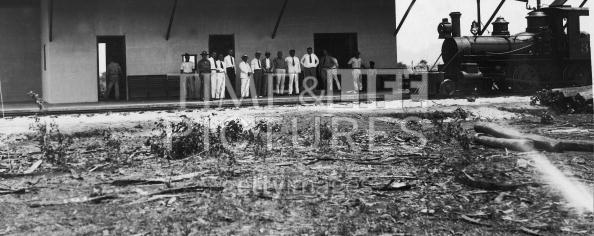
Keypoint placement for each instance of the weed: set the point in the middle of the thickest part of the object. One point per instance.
(450, 130)
(234, 130)
(217, 149)
(112, 145)
(51, 142)
(259, 142)
(177, 140)
(325, 137)
(547, 119)
(557, 102)
(183, 139)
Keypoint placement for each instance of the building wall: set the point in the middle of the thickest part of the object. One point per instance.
(71, 76)
(19, 49)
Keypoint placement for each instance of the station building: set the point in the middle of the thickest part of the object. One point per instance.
(58, 48)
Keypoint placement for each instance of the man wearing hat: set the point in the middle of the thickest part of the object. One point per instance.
(258, 74)
(203, 83)
(245, 73)
(187, 78)
(268, 75)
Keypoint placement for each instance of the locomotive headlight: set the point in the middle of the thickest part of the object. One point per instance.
(444, 29)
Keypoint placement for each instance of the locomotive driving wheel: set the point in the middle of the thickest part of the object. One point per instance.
(524, 78)
(577, 75)
(447, 88)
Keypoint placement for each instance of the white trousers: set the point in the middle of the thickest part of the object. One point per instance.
(357, 82)
(213, 84)
(280, 80)
(245, 87)
(293, 81)
(219, 85)
(332, 75)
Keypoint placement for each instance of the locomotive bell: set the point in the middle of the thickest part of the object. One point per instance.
(444, 29)
(500, 27)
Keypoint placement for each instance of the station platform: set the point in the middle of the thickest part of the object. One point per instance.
(30, 108)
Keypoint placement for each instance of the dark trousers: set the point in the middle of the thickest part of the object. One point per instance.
(198, 92)
(205, 90)
(268, 84)
(322, 80)
(233, 80)
(258, 83)
(310, 72)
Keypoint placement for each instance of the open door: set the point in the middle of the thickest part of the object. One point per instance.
(343, 46)
(221, 43)
(111, 48)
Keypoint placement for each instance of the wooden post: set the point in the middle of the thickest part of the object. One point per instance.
(478, 14)
(51, 20)
(171, 18)
(280, 17)
(2, 98)
(404, 17)
(492, 17)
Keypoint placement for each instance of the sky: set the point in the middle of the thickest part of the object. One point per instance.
(418, 37)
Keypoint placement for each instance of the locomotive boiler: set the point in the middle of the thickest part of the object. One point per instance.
(553, 52)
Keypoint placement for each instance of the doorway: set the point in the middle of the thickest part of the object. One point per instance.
(111, 48)
(343, 46)
(221, 43)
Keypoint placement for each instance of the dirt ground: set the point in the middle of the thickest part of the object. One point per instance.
(405, 182)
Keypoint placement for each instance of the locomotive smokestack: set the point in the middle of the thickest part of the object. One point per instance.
(456, 32)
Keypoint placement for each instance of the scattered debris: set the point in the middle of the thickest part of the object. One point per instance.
(33, 167)
(73, 201)
(187, 189)
(125, 182)
(470, 181)
(394, 186)
(529, 231)
(474, 221)
(17, 191)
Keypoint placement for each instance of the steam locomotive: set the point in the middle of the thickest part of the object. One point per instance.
(553, 52)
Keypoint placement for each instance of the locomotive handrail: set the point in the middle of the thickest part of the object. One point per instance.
(510, 52)
(451, 60)
(434, 64)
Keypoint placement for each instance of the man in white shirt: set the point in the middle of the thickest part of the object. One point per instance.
(186, 79)
(294, 65)
(220, 78)
(310, 64)
(268, 74)
(245, 73)
(356, 64)
(213, 73)
(258, 74)
(230, 68)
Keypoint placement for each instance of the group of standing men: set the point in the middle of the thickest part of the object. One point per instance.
(214, 70)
